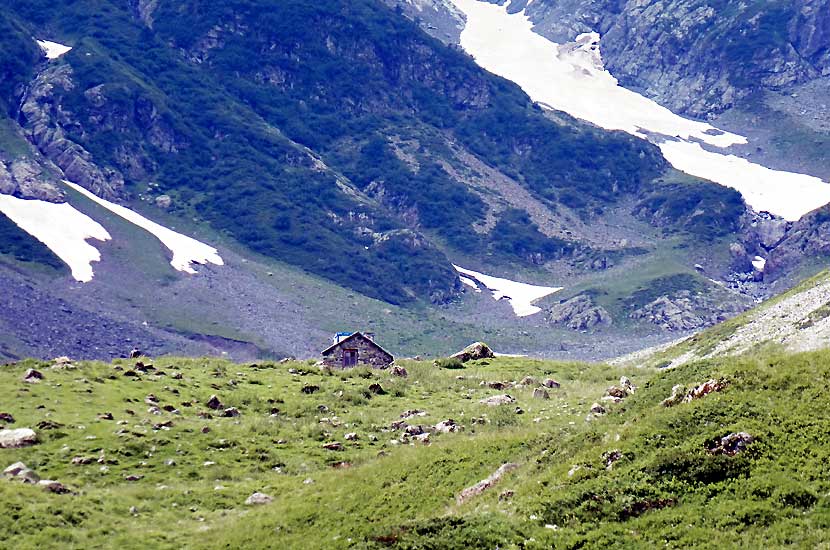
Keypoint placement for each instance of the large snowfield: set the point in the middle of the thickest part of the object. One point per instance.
(60, 227)
(520, 295)
(571, 78)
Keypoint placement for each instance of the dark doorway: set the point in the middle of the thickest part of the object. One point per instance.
(349, 357)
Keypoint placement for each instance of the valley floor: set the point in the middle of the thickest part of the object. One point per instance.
(341, 458)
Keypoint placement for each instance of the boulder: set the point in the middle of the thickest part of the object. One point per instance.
(230, 412)
(399, 371)
(6, 417)
(309, 389)
(596, 408)
(214, 403)
(447, 426)
(731, 444)
(495, 400)
(13, 439)
(259, 499)
(477, 350)
(21, 472)
(541, 393)
(528, 381)
(377, 389)
(551, 383)
(351, 436)
(483, 485)
(334, 446)
(52, 486)
(33, 376)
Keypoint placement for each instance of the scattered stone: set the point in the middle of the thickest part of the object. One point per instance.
(519, 410)
(596, 408)
(351, 436)
(176, 376)
(259, 499)
(399, 371)
(541, 393)
(483, 485)
(105, 416)
(62, 361)
(334, 446)
(528, 381)
(551, 383)
(495, 385)
(731, 444)
(82, 460)
(610, 457)
(6, 417)
(205, 415)
(309, 481)
(496, 400)
(14, 439)
(506, 495)
(413, 430)
(33, 376)
(412, 412)
(131, 373)
(48, 425)
(171, 409)
(141, 367)
(448, 426)
(680, 394)
(309, 389)
(133, 477)
(52, 486)
(214, 403)
(135, 353)
(230, 412)
(154, 410)
(477, 350)
(15, 469)
(205, 430)
(341, 465)
(163, 425)
(377, 389)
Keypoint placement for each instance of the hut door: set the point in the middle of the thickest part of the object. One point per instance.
(349, 357)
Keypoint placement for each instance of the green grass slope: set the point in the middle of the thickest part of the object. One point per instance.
(664, 488)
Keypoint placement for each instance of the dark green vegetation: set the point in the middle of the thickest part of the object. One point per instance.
(664, 485)
(279, 123)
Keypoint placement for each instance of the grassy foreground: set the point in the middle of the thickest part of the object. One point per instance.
(639, 476)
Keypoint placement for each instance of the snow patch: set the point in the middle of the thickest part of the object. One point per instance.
(186, 251)
(52, 50)
(520, 295)
(470, 283)
(60, 227)
(759, 263)
(571, 78)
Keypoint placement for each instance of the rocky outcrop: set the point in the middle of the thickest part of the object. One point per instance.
(43, 119)
(13, 439)
(686, 310)
(809, 237)
(578, 313)
(476, 350)
(26, 179)
(483, 485)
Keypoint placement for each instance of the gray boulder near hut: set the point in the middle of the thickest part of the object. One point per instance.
(356, 349)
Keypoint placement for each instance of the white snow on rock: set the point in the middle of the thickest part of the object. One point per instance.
(571, 78)
(186, 250)
(759, 263)
(470, 283)
(52, 50)
(520, 295)
(60, 227)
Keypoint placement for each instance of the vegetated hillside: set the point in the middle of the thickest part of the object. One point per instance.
(335, 136)
(698, 57)
(149, 457)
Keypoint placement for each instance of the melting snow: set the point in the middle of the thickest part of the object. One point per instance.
(520, 295)
(52, 50)
(571, 78)
(759, 263)
(186, 251)
(60, 227)
(470, 283)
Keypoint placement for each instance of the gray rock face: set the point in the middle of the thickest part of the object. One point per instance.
(578, 313)
(43, 119)
(808, 237)
(26, 179)
(685, 310)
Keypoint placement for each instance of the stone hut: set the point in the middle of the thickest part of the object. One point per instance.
(356, 349)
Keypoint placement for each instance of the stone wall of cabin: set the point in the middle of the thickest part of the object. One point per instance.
(367, 355)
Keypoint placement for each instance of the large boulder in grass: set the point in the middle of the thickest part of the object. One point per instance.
(477, 350)
(13, 439)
